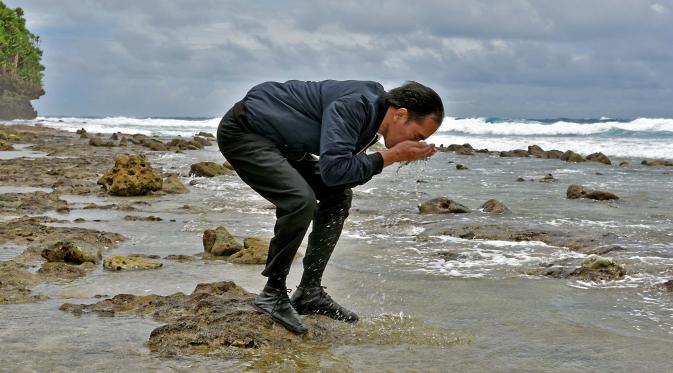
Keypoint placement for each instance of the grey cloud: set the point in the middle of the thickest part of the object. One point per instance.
(508, 58)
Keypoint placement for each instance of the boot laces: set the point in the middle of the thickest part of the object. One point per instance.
(281, 299)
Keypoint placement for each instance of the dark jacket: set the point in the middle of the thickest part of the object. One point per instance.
(336, 120)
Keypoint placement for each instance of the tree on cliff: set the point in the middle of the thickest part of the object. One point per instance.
(19, 52)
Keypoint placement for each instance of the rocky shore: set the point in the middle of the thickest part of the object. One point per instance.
(216, 319)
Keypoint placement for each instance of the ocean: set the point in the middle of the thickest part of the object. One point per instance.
(640, 137)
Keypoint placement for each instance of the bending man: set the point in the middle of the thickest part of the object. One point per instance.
(272, 137)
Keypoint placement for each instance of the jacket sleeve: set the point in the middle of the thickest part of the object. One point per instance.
(342, 122)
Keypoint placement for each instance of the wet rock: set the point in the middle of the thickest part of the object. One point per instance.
(142, 218)
(220, 242)
(208, 169)
(179, 257)
(128, 263)
(154, 144)
(31, 202)
(602, 250)
(205, 134)
(548, 178)
(465, 149)
(599, 157)
(193, 182)
(114, 136)
(5, 146)
(182, 144)
(131, 176)
(173, 185)
(81, 131)
(218, 319)
(494, 206)
(667, 286)
(535, 151)
(657, 163)
(624, 164)
(228, 166)
(520, 179)
(553, 154)
(254, 251)
(97, 141)
(515, 153)
(571, 156)
(441, 205)
(72, 252)
(461, 167)
(65, 271)
(202, 140)
(577, 191)
(596, 268)
(15, 283)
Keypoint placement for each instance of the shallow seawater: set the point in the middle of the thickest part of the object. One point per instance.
(503, 319)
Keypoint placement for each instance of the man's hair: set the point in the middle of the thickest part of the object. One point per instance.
(418, 99)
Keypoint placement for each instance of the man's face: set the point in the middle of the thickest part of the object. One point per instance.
(402, 129)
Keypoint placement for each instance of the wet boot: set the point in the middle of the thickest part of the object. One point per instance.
(275, 303)
(315, 300)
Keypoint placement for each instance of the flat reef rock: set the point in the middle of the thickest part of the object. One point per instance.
(218, 319)
(581, 242)
(15, 283)
(129, 263)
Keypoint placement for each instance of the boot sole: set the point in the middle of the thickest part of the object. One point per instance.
(281, 321)
(323, 313)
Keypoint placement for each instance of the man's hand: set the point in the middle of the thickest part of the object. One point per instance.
(407, 151)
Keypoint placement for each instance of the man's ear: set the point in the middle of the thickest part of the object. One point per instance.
(402, 114)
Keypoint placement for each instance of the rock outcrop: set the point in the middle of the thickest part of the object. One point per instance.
(494, 206)
(571, 156)
(15, 283)
(254, 251)
(5, 146)
(657, 163)
(173, 185)
(599, 157)
(219, 242)
(218, 320)
(442, 205)
(128, 263)
(209, 169)
(577, 191)
(72, 252)
(593, 268)
(131, 176)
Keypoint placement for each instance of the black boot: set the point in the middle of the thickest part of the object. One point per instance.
(276, 304)
(316, 300)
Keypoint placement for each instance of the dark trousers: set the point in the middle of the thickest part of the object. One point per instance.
(293, 184)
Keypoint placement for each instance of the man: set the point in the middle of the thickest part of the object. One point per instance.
(271, 138)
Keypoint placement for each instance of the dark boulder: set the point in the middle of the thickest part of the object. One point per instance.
(578, 191)
(209, 169)
(599, 157)
(571, 156)
(442, 205)
(494, 206)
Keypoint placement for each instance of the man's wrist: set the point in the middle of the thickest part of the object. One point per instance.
(389, 156)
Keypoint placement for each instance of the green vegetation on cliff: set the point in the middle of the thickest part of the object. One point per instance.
(19, 52)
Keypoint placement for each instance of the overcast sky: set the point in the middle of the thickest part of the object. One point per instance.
(513, 58)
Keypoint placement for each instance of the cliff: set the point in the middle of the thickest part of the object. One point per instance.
(15, 96)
